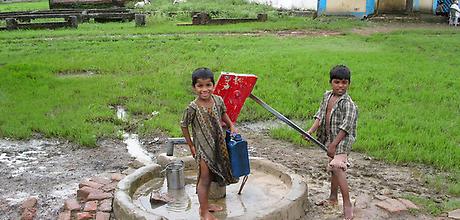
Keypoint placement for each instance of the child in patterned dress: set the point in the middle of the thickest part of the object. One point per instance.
(204, 116)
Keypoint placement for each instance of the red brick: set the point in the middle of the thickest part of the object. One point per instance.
(101, 180)
(102, 216)
(408, 203)
(90, 206)
(110, 187)
(99, 196)
(84, 216)
(105, 205)
(84, 192)
(71, 204)
(29, 214)
(117, 176)
(89, 183)
(29, 203)
(65, 215)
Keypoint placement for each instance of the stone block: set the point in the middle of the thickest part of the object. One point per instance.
(85, 191)
(102, 216)
(30, 202)
(84, 216)
(99, 196)
(65, 215)
(216, 191)
(29, 214)
(391, 205)
(109, 187)
(454, 214)
(71, 204)
(408, 204)
(105, 205)
(91, 184)
(139, 20)
(381, 198)
(90, 206)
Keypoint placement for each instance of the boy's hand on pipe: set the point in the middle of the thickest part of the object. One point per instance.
(305, 137)
(331, 150)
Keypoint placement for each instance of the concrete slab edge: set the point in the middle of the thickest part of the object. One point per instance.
(292, 206)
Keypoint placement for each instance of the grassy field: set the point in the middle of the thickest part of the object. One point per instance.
(65, 83)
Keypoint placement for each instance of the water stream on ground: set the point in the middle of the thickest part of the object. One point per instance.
(133, 145)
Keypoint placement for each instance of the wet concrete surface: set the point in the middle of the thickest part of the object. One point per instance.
(262, 191)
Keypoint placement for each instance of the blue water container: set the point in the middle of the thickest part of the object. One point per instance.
(239, 157)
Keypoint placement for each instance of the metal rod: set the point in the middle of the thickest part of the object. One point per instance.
(287, 121)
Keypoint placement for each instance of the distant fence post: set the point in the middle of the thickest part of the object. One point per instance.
(262, 17)
(139, 19)
(11, 24)
(73, 22)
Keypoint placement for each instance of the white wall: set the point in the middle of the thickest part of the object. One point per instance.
(289, 4)
(338, 6)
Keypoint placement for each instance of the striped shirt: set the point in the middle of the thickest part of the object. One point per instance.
(344, 116)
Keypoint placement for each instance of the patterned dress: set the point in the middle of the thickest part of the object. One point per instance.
(209, 139)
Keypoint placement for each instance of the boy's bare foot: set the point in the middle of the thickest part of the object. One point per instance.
(207, 216)
(326, 203)
(215, 208)
(347, 212)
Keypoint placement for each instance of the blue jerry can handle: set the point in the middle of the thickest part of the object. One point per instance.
(229, 136)
(237, 137)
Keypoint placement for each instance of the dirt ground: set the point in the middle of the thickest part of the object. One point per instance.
(51, 170)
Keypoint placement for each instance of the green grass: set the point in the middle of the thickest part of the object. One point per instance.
(410, 114)
(434, 208)
(24, 6)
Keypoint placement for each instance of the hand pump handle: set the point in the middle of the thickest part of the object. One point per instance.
(287, 121)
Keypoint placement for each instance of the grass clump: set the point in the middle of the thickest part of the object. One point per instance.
(435, 208)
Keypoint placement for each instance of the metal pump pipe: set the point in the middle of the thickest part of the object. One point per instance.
(287, 121)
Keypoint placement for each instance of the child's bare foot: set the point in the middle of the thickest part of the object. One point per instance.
(215, 208)
(207, 216)
(347, 212)
(327, 203)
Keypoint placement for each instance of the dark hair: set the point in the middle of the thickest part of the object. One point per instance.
(340, 72)
(202, 73)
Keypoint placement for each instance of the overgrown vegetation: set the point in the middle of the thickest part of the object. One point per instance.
(66, 83)
(433, 207)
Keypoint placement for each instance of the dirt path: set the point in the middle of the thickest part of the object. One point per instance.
(51, 170)
(367, 177)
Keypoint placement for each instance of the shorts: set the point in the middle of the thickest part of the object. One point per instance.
(339, 161)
